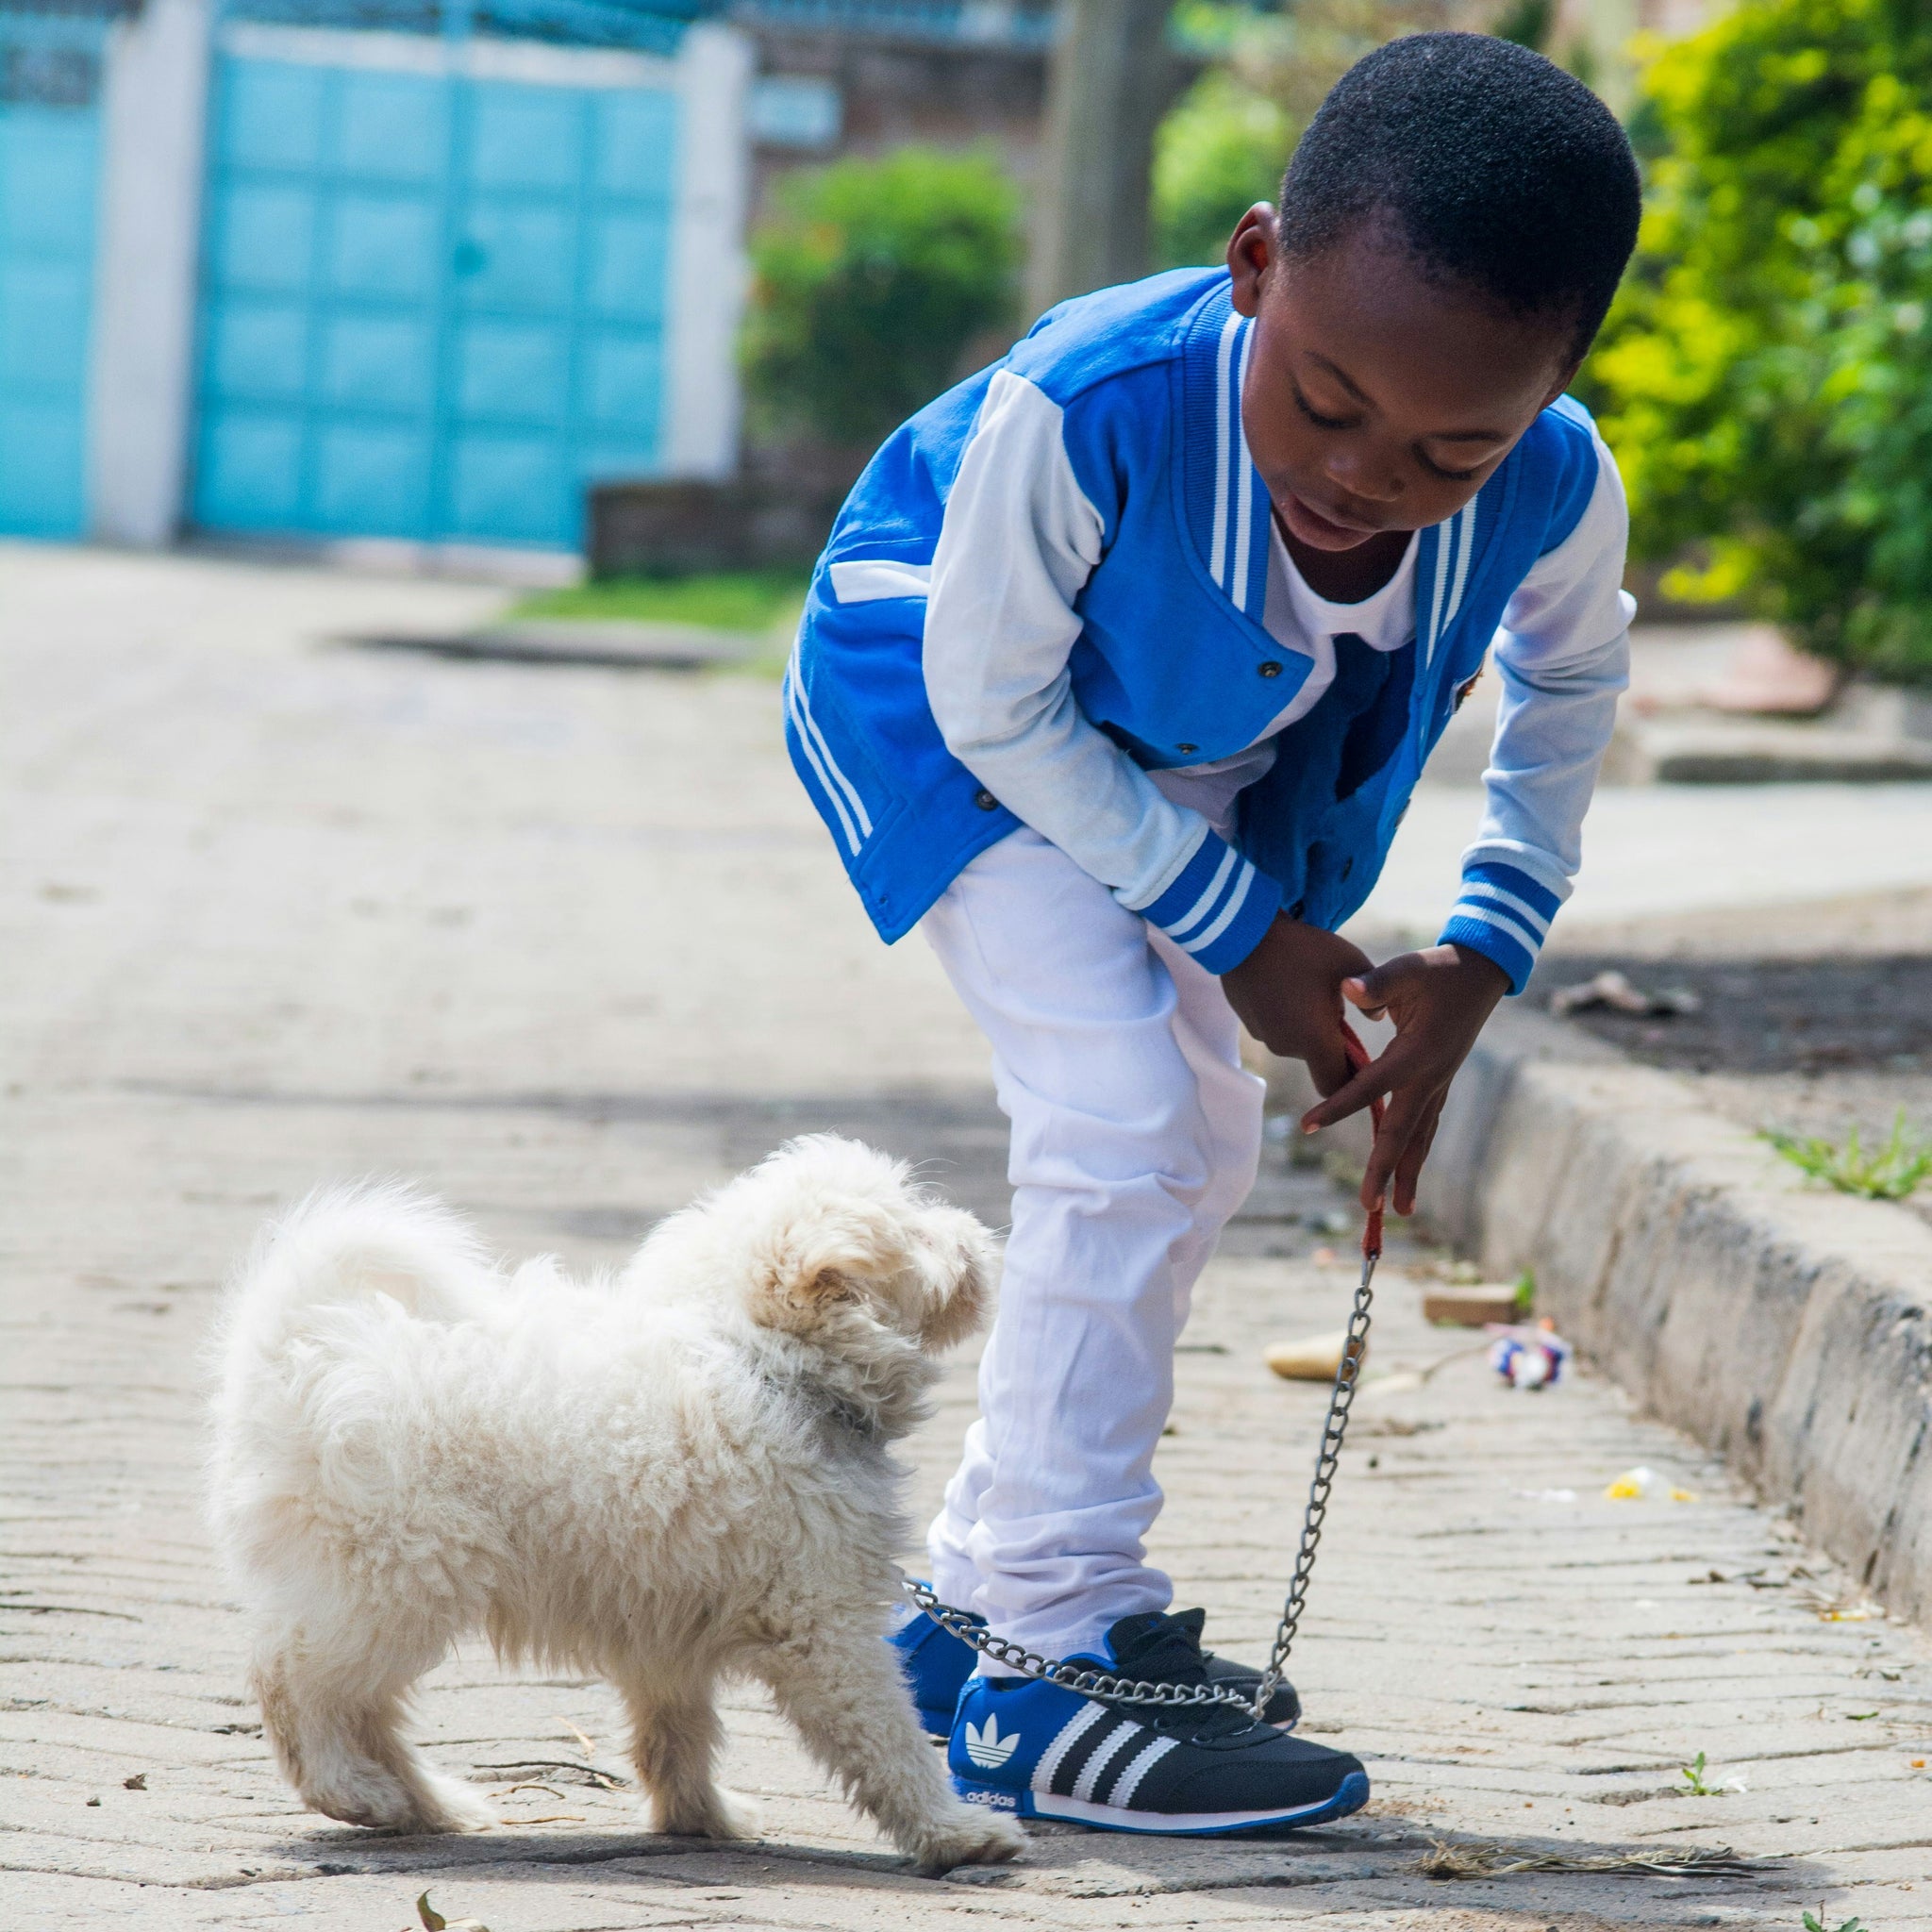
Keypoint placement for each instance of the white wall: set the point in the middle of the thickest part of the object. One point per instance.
(142, 393)
(708, 260)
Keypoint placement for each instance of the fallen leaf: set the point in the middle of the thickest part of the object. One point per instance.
(433, 1920)
(136, 1783)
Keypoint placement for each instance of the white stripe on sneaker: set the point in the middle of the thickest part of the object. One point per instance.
(1071, 1733)
(1123, 1793)
(1177, 1824)
(1105, 1753)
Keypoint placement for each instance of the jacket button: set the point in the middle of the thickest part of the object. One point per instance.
(1187, 747)
(1271, 669)
(985, 801)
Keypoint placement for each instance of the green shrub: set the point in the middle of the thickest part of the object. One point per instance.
(872, 279)
(1766, 375)
(1220, 149)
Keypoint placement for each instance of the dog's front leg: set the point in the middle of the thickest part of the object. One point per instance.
(674, 1742)
(843, 1691)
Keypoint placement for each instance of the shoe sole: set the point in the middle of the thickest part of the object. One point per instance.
(1350, 1796)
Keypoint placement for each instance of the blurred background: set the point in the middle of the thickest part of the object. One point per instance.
(570, 322)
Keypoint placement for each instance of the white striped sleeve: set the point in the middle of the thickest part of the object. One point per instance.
(1563, 655)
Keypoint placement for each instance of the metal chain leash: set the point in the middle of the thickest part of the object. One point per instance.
(1112, 1690)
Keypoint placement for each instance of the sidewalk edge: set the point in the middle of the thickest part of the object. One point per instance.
(1787, 1326)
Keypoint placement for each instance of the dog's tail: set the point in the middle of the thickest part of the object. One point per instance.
(346, 1244)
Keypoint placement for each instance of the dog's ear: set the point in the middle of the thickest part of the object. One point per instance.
(962, 1264)
(806, 1273)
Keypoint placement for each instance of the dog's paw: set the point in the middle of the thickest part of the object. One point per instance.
(716, 1814)
(449, 1805)
(969, 1837)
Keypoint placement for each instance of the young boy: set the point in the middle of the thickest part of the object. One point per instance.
(1115, 679)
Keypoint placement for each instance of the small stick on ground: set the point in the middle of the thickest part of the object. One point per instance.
(1444, 1860)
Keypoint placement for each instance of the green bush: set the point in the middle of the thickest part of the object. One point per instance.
(872, 279)
(1220, 149)
(1766, 375)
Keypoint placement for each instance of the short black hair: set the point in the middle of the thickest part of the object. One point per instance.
(1503, 174)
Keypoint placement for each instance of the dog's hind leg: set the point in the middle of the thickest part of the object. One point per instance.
(336, 1730)
(675, 1737)
(843, 1691)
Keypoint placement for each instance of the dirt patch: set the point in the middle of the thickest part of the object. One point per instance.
(1764, 1016)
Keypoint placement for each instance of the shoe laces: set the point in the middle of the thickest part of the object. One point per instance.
(1164, 1647)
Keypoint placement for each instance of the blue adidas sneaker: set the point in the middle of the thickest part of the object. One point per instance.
(1040, 1751)
(937, 1665)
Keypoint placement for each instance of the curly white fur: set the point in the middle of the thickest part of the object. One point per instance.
(662, 1478)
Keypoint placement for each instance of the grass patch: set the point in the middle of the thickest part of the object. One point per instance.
(1887, 1172)
(754, 600)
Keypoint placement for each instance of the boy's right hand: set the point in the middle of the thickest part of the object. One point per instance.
(1287, 993)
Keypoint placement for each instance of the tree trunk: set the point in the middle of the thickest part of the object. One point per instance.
(1113, 79)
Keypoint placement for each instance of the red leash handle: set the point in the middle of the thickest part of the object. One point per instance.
(1358, 1058)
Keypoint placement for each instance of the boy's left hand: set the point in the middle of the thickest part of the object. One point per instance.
(1438, 999)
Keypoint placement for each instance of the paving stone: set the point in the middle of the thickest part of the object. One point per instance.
(565, 943)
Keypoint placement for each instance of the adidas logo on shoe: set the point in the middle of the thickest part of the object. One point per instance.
(985, 1747)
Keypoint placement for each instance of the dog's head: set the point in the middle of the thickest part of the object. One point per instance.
(833, 1245)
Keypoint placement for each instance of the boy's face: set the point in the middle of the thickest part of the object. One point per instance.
(1377, 401)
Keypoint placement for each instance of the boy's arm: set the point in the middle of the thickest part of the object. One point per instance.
(1020, 539)
(1563, 655)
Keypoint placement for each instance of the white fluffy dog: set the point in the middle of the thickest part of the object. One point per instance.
(675, 1475)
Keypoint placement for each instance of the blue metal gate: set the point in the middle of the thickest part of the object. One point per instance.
(433, 304)
(50, 71)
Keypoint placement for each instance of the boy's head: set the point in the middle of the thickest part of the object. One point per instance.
(1453, 225)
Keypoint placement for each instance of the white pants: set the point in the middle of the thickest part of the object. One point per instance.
(1136, 1135)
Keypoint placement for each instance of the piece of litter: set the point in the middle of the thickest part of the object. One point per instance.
(1399, 1382)
(1612, 989)
(1530, 1358)
(1645, 1486)
(1313, 1359)
(136, 1783)
(1844, 1608)
(1471, 1307)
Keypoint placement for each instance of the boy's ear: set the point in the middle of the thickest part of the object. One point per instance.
(1253, 249)
(1563, 381)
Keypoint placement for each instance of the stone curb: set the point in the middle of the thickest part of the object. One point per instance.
(1787, 1326)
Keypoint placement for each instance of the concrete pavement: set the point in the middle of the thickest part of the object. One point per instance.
(567, 944)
